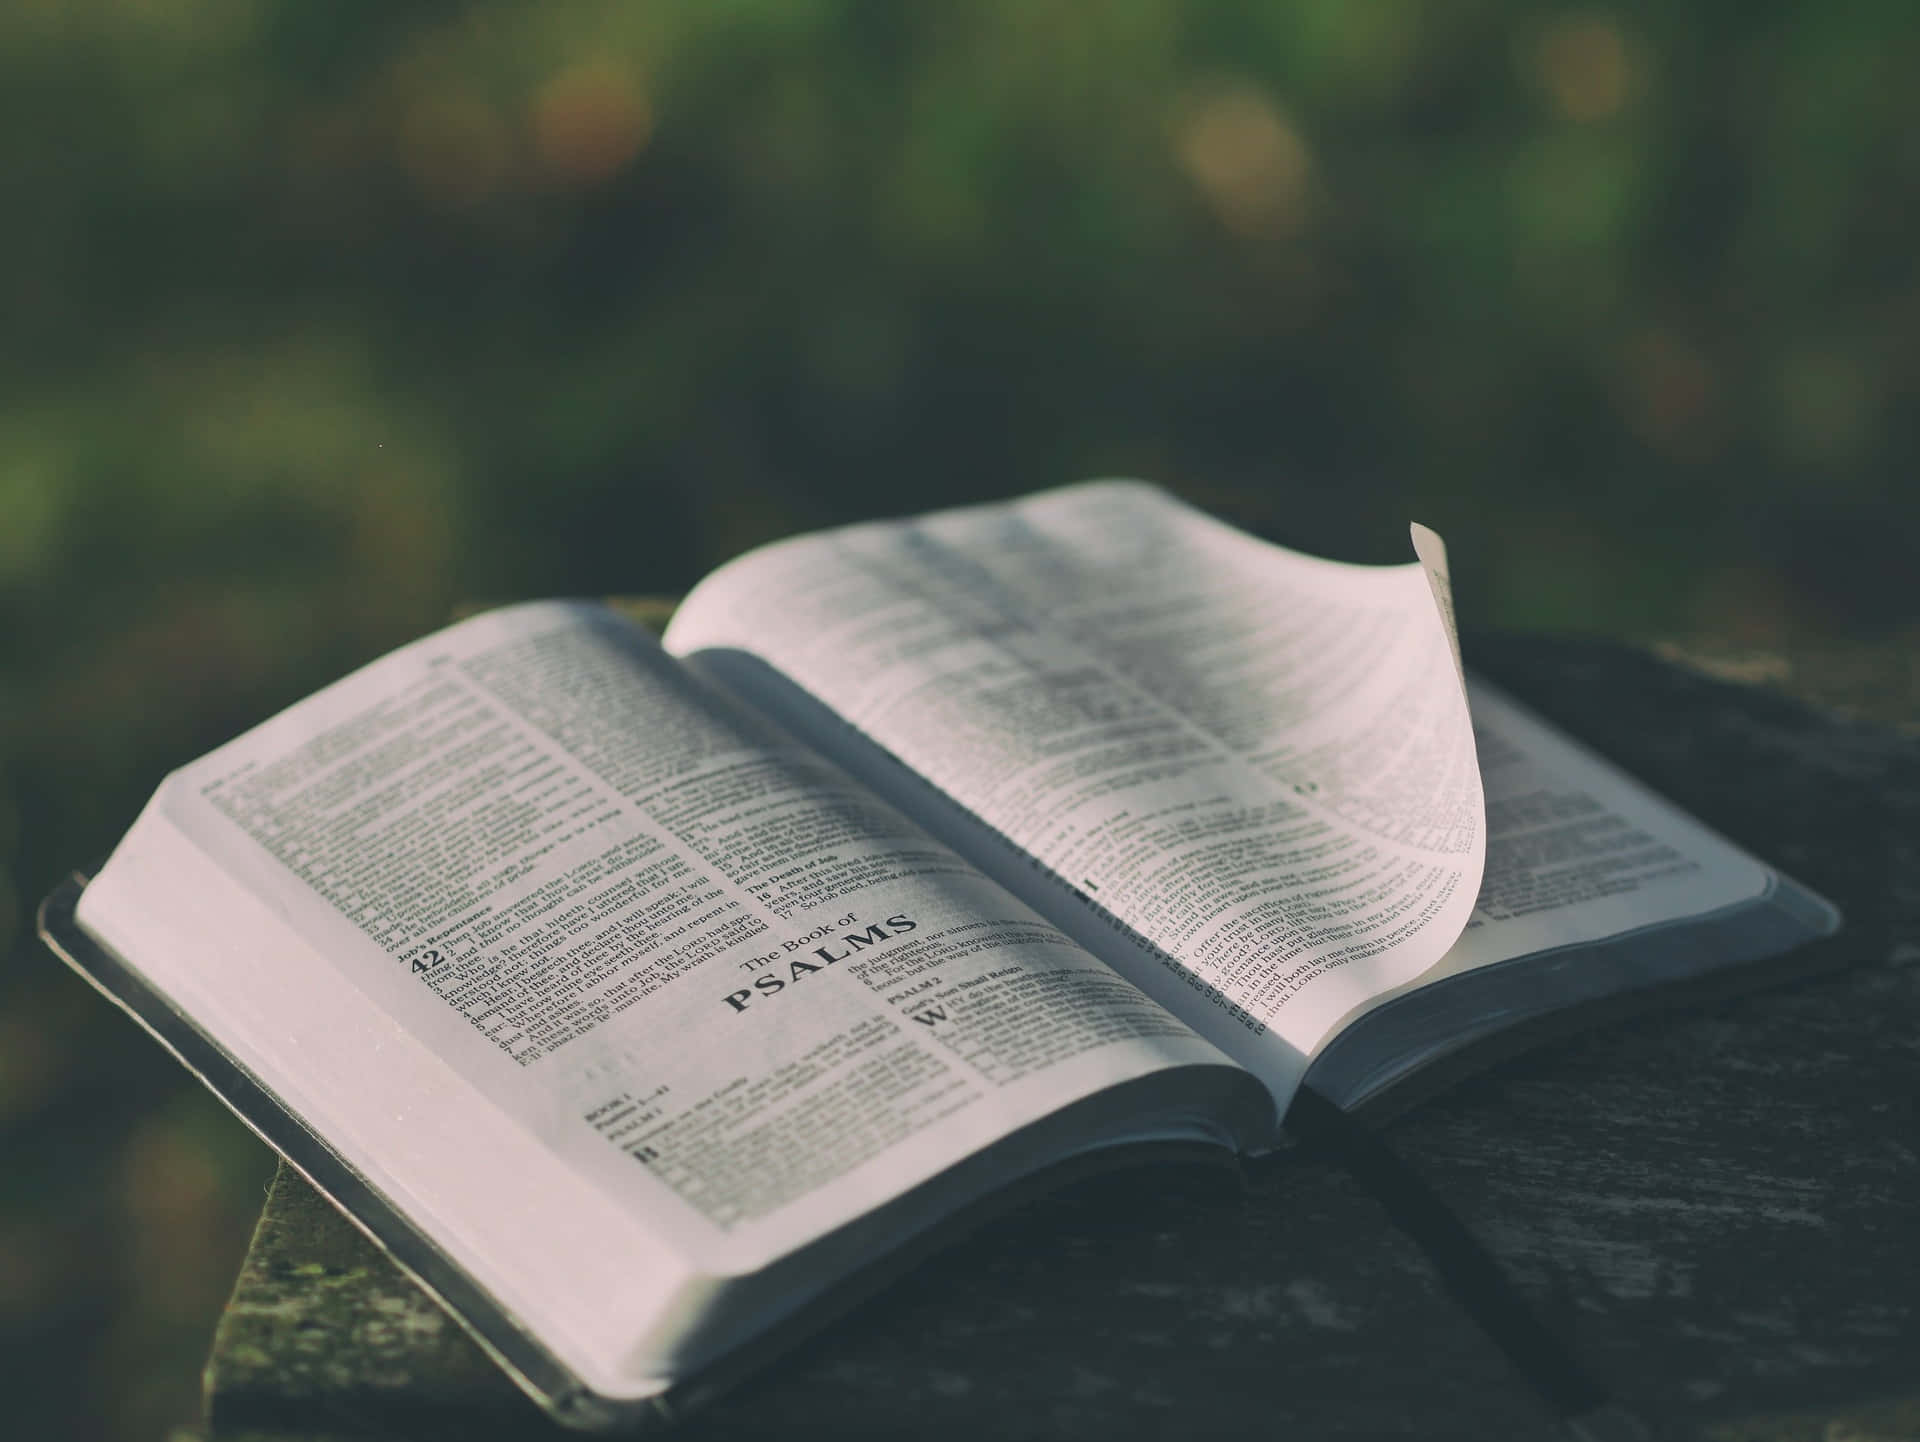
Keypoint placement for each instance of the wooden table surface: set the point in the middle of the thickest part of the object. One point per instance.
(1717, 1205)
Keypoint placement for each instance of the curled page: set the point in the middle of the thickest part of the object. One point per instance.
(1256, 766)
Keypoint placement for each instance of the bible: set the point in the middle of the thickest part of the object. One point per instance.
(648, 999)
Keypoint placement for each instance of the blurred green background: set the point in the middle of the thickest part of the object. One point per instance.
(322, 318)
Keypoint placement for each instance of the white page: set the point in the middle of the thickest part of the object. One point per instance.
(540, 1240)
(739, 994)
(1577, 850)
(1585, 868)
(1260, 763)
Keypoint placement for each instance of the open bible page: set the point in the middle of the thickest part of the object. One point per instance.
(744, 997)
(1257, 765)
(1595, 889)
(1577, 850)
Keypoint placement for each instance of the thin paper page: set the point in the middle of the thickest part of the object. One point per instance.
(1577, 850)
(1258, 762)
(690, 956)
(1594, 887)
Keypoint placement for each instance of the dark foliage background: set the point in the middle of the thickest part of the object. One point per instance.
(321, 319)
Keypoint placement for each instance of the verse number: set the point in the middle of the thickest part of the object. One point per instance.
(425, 961)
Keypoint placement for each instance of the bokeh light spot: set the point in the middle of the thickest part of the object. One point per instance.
(1583, 64)
(1247, 159)
(589, 122)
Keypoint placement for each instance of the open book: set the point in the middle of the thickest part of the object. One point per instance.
(643, 1000)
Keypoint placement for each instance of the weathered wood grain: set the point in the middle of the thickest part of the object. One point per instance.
(1719, 1205)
